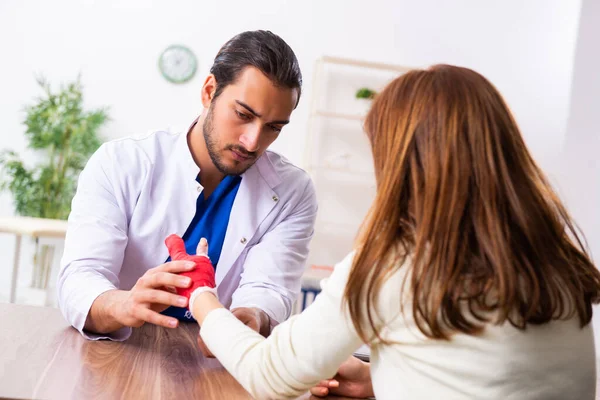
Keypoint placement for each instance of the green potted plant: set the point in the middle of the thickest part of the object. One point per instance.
(365, 93)
(64, 135)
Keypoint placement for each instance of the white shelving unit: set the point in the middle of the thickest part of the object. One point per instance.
(338, 154)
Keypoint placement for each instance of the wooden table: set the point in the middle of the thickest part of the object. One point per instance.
(42, 357)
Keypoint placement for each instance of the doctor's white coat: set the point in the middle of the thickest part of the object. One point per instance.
(134, 192)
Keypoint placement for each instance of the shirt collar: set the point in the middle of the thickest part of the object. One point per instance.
(185, 155)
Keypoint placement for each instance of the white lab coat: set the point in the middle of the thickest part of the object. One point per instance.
(134, 192)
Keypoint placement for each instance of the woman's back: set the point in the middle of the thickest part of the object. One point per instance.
(498, 290)
(555, 360)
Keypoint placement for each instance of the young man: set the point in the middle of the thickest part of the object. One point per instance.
(217, 181)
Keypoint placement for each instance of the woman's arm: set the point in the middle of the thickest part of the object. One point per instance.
(353, 378)
(297, 355)
(204, 303)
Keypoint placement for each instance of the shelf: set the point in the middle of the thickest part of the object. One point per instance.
(365, 64)
(342, 177)
(341, 170)
(329, 114)
(338, 154)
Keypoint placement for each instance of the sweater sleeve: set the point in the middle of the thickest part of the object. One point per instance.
(298, 353)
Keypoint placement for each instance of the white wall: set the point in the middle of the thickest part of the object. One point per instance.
(579, 176)
(580, 160)
(525, 47)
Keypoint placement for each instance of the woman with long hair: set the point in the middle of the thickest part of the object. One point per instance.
(468, 278)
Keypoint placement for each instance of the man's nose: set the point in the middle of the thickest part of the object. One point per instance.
(250, 138)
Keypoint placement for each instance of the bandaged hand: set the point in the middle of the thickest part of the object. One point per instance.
(202, 276)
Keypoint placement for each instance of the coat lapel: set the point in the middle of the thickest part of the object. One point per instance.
(254, 201)
(183, 189)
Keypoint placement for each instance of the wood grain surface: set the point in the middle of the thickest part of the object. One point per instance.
(42, 357)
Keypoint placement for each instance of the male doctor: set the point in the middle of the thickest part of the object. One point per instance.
(216, 181)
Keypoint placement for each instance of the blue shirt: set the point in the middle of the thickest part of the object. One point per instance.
(210, 221)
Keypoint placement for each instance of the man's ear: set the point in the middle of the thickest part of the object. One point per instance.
(208, 90)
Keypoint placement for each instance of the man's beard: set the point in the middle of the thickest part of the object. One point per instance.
(212, 147)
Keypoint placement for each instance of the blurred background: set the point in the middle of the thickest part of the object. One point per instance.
(541, 54)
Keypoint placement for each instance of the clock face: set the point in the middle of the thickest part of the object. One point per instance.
(177, 64)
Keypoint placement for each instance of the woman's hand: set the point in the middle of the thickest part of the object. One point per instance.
(203, 275)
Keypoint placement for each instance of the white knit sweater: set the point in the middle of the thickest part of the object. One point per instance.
(552, 361)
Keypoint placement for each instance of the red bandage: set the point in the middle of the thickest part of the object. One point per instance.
(202, 275)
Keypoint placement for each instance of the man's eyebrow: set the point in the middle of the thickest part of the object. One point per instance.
(251, 111)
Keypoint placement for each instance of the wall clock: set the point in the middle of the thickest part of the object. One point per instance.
(177, 64)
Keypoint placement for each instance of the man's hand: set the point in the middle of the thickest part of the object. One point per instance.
(153, 293)
(352, 380)
(254, 318)
(150, 295)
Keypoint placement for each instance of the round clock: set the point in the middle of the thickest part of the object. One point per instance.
(177, 64)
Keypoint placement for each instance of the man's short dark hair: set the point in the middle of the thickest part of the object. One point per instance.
(263, 50)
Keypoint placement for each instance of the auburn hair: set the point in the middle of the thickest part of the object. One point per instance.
(460, 195)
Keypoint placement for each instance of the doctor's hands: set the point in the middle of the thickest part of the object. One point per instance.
(169, 284)
(254, 318)
(204, 276)
(153, 293)
(352, 380)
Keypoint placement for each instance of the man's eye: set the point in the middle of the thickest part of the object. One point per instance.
(275, 128)
(243, 116)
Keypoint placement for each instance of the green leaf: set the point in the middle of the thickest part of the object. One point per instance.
(365, 93)
(58, 126)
